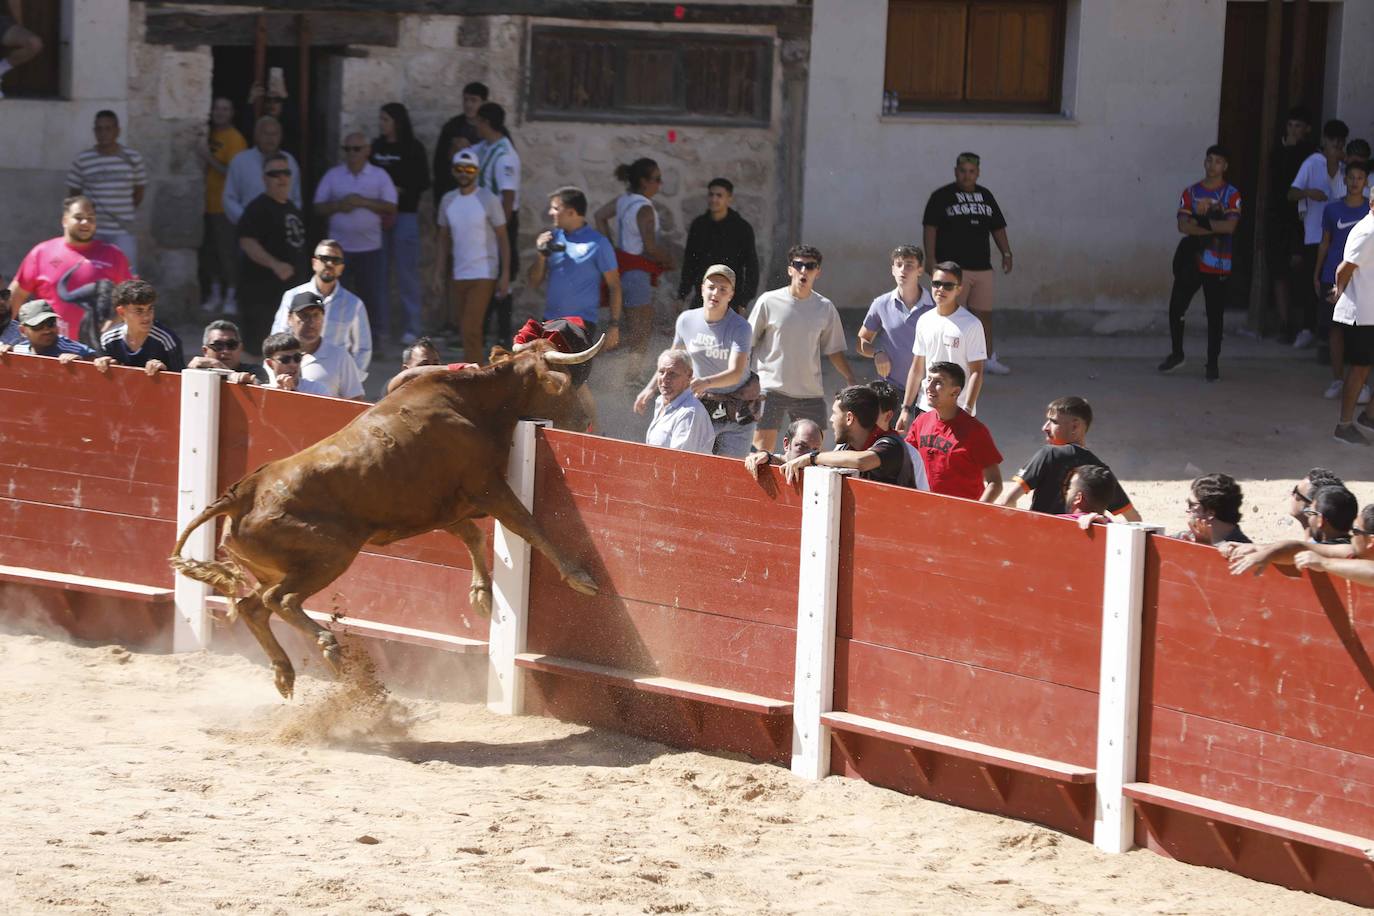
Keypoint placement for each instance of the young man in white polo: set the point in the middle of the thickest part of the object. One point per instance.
(1355, 311)
(949, 333)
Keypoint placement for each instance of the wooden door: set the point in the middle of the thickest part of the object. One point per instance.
(1239, 122)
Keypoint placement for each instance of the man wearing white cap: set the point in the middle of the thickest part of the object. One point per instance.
(473, 222)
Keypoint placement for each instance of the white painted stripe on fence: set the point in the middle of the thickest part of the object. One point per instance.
(817, 586)
(1118, 696)
(461, 642)
(510, 577)
(197, 487)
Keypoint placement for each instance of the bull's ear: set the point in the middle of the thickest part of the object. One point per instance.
(554, 382)
(499, 355)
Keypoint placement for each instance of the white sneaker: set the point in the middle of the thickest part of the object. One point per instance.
(996, 367)
(1303, 340)
(1333, 390)
(231, 302)
(215, 300)
(1364, 395)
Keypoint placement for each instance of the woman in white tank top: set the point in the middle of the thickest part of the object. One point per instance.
(636, 234)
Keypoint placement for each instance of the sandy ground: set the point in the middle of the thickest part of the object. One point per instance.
(147, 784)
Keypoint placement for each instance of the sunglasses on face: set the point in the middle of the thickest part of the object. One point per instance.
(45, 325)
(223, 345)
(1195, 509)
(1309, 512)
(329, 258)
(353, 149)
(805, 265)
(944, 284)
(1361, 532)
(1306, 501)
(287, 359)
(465, 169)
(278, 173)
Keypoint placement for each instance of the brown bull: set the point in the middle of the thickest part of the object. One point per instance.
(432, 455)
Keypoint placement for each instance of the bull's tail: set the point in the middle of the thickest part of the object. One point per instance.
(223, 576)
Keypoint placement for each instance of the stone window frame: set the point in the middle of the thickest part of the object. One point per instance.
(933, 61)
(616, 49)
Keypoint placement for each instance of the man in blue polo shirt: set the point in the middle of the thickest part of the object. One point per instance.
(38, 324)
(577, 260)
(888, 334)
(141, 340)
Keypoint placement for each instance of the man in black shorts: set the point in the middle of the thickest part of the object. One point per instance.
(1046, 474)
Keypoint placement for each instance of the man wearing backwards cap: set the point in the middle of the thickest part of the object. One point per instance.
(38, 324)
(325, 369)
(472, 221)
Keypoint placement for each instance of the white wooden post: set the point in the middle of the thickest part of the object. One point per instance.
(1118, 696)
(510, 578)
(197, 485)
(817, 585)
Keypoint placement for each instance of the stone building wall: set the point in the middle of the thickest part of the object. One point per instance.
(169, 95)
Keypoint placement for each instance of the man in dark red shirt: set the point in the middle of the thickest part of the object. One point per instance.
(958, 452)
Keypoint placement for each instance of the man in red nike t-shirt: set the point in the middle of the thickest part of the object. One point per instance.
(957, 450)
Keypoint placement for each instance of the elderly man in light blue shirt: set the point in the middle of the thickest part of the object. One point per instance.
(680, 421)
(346, 325)
(244, 183)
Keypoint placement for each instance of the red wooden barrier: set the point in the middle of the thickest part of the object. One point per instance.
(1258, 692)
(698, 572)
(420, 583)
(972, 622)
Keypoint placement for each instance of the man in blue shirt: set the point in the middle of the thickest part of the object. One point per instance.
(1338, 218)
(9, 328)
(38, 324)
(888, 334)
(577, 260)
(141, 340)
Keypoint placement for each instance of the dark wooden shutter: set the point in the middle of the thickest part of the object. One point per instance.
(925, 49)
(650, 79)
(1013, 54)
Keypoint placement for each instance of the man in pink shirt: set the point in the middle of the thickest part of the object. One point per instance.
(58, 269)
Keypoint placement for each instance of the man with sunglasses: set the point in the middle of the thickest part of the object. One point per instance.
(356, 195)
(1359, 567)
(792, 328)
(222, 348)
(346, 325)
(272, 239)
(38, 324)
(1213, 509)
(948, 333)
(282, 356)
(959, 218)
(1328, 520)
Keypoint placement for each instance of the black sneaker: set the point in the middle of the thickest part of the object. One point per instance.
(1213, 375)
(1347, 433)
(1171, 362)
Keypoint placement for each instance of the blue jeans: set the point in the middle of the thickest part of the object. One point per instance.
(402, 246)
(732, 439)
(363, 273)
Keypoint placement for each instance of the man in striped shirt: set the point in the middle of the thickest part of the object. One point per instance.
(113, 177)
(141, 341)
(38, 324)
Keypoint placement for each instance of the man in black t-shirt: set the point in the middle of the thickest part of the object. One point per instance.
(876, 454)
(1046, 474)
(275, 257)
(958, 220)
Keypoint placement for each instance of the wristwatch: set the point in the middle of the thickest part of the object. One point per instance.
(814, 453)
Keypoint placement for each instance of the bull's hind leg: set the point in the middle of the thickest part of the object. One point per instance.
(479, 594)
(287, 604)
(503, 505)
(257, 617)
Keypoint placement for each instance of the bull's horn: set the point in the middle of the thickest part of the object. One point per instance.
(572, 359)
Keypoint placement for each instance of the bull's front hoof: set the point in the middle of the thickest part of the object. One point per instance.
(579, 581)
(332, 652)
(285, 678)
(480, 600)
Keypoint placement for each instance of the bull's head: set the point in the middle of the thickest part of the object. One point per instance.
(556, 394)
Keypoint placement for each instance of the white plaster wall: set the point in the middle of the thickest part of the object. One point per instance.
(1089, 196)
(1354, 95)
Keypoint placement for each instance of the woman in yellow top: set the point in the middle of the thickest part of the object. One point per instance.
(219, 253)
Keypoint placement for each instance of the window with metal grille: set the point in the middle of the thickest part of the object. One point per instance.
(42, 76)
(975, 55)
(610, 75)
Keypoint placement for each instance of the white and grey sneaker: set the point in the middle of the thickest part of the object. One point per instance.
(1333, 390)
(1364, 396)
(996, 367)
(1347, 433)
(1304, 339)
